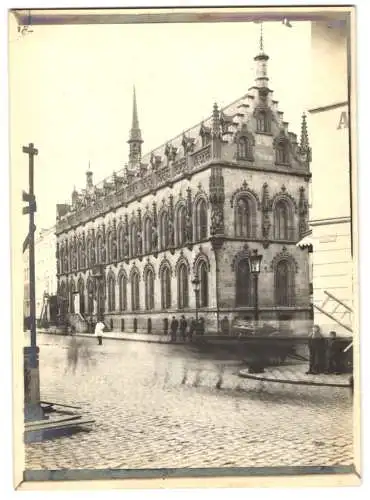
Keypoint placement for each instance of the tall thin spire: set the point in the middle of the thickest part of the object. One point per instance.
(135, 141)
(261, 63)
(261, 38)
(135, 132)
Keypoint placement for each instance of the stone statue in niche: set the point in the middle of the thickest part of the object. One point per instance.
(217, 220)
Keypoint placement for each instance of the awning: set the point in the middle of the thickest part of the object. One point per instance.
(305, 242)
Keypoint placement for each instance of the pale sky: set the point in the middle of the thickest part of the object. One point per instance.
(71, 91)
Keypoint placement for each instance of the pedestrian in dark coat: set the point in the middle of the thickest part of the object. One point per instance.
(332, 354)
(192, 328)
(316, 346)
(174, 327)
(183, 325)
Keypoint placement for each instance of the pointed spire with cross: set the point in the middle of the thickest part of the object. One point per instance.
(135, 141)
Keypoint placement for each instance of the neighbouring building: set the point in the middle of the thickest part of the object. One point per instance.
(330, 215)
(45, 274)
(129, 248)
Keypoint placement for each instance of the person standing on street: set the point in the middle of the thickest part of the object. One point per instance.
(315, 342)
(174, 326)
(99, 329)
(183, 325)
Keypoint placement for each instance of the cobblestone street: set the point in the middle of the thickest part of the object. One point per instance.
(158, 406)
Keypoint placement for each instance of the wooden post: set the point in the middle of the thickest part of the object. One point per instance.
(33, 410)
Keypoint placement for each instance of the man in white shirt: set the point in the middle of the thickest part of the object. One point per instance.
(99, 329)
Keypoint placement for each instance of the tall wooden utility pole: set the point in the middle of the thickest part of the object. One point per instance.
(33, 409)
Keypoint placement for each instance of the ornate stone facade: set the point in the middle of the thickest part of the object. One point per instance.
(129, 248)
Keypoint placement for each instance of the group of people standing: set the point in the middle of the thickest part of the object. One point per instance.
(324, 353)
(185, 328)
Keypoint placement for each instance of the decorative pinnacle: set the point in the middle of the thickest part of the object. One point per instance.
(304, 134)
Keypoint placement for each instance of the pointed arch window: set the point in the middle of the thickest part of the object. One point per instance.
(149, 290)
(72, 290)
(181, 225)
(201, 220)
(90, 296)
(121, 242)
(281, 220)
(111, 293)
(182, 286)
(90, 253)
(166, 287)
(134, 245)
(99, 250)
(164, 230)
(203, 284)
(284, 283)
(135, 291)
(243, 284)
(243, 218)
(148, 231)
(80, 256)
(122, 287)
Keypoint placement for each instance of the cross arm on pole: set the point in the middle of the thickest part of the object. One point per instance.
(30, 149)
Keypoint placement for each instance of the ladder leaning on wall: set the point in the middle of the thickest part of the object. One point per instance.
(336, 311)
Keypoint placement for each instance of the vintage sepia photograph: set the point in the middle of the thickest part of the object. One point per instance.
(184, 243)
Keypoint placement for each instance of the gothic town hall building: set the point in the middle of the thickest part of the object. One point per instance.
(129, 249)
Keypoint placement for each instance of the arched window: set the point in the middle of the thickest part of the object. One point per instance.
(110, 246)
(148, 235)
(243, 284)
(263, 122)
(181, 225)
(122, 287)
(121, 242)
(72, 290)
(203, 284)
(135, 291)
(166, 288)
(80, 256)
(284, 284)
(281, 220)
(90, 296)
(201, 220)
(182, 286)
(111, 293)
(281, 153)
(81, 293)
(163, 226)
(99, 249)
(243, 216)
(149, 290)
(90, 253)
(133, 240)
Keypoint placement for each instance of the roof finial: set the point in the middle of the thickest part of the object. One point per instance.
(261, 38)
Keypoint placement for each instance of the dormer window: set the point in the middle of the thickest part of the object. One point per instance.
(263, 122)
(244, 148)
(282, 153)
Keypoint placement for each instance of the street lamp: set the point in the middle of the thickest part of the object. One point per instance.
(257, 366)
(255, 268)
(196, 286)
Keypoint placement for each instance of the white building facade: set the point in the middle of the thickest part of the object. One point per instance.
(331, 201)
